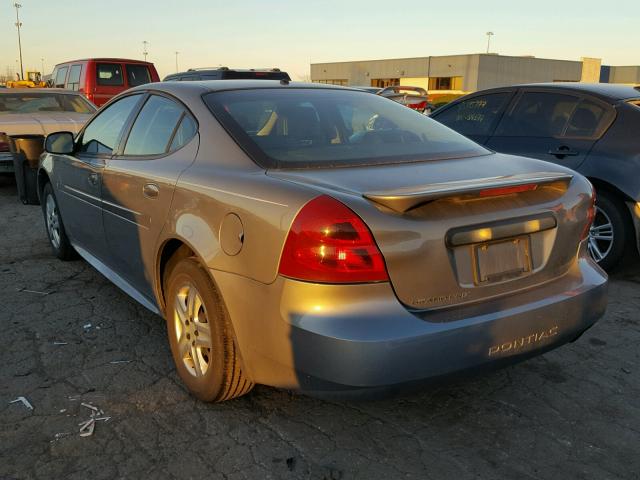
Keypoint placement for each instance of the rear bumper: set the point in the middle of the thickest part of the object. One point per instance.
(634, 209)
(330, 339)
(6, 162)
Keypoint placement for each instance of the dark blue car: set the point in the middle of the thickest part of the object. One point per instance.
(591, 128)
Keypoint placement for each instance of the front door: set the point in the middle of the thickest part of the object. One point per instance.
(139, 183)
(556, 127)
(80, 176)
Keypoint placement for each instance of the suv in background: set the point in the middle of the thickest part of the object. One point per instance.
(100, 79)
(226, 73)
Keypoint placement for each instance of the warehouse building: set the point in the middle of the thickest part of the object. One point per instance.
(459, 74)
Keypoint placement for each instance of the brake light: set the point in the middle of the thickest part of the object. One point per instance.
(418, 106)
(4, 142)
(329, 243)
(591, 215)
(496, 192)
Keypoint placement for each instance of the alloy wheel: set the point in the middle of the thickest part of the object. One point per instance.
(600, 236)
(53, 221)
(192, 330)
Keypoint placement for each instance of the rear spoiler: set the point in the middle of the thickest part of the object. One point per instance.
(403, 199)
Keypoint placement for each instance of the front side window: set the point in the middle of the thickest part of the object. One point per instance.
(474, 116)
(60, 77)
(137, 75)
(109, 74)
(73, 82)
(153, 129)
(101, 136)
(302, 127)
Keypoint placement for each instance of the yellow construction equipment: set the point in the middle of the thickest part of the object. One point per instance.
(33, 80)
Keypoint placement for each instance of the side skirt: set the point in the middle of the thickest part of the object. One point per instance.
(116, 279)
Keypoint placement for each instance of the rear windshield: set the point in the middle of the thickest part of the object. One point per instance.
(301, 127)
(14, 103)
(233, 75)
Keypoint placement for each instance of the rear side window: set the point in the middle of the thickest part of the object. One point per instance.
(586, 120)
(185, 132)
(137, 75)
(304, 127)
(102, 134)
(60, 77)
(475, 116)
(539, 114)
(109, 74)
(73, 82)
(153, 129)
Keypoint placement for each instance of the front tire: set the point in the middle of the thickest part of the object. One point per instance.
(200, 334)
(610, 231)
(56, 233)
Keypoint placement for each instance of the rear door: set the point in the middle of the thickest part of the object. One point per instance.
(476, 117)
(139, 182)
(109, 82)
(559, 127)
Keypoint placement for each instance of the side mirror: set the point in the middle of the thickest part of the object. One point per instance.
(60, 143)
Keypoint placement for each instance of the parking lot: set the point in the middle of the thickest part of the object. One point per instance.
(71, 337)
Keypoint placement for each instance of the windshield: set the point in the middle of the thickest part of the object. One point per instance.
(31, 102)
(301, 127)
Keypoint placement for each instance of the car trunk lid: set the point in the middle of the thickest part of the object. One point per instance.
(451, 231)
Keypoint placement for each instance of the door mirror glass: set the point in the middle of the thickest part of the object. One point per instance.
(60, 143)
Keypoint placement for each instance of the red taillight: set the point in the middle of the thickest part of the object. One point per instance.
(4, 142)
(329, 243)
(418, 106)
(591, 215)
(496, 192)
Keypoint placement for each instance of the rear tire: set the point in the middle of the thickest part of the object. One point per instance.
(56, 233)
(610, 232)
(200, 334)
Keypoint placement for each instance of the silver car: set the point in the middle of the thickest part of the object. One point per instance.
(319, 238)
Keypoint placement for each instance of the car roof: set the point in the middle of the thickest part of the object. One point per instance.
(106, 59)
(609, 91)
(40, 90)
(205, 86)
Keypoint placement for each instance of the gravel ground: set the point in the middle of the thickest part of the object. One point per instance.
(69, 336)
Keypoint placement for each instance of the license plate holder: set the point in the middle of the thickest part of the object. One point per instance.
(502, 260)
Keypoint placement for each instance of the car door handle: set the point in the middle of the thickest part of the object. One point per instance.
(562, 152)
(93, 179)
(150, 190)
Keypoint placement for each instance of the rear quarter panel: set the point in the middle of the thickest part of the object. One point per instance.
(223, 181)
(615, 158)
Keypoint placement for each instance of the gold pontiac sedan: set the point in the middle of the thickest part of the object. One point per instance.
(320, 239)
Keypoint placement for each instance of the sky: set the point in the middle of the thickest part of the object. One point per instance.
(291, 34)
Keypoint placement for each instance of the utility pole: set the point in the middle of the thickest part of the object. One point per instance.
(177, 61)
(144, 49)
(489, 35)
(18, 25)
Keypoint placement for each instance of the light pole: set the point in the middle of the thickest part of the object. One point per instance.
(489, 35)
(18, 25)
(42, 66)
(177, 61)
(144, 49)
